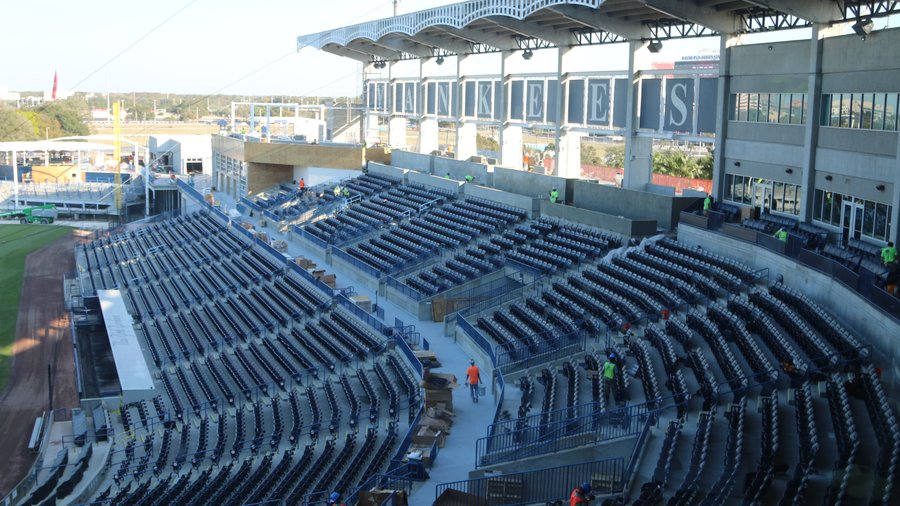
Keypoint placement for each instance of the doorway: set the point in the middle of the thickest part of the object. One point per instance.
(762, 198)
(851, 221)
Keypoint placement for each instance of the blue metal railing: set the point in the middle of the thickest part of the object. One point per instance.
(355, 262)
(541, 486)
(563, 429)
(309, 237)
(543, 351)
(362, 315)
(476, 337)
(404, 289)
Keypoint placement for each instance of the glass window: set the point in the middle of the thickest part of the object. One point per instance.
(844, 110)
(752, 105)
(837, 208)
(774, 99)
(817, 204)
(828, 110)
(803, 105)
(881, 219)
(878, 111)
(744, 106)
(784, 110)
(729, 187)
(738, 189)
(763, 107)
(856, 110)
(869, 218)
(866, 113)
(890, 112)
(797, 108)
(778, 196)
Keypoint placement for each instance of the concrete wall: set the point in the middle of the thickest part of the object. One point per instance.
(379, 155)
(439, 165)
(305, 155)
(780, 59)
(861, 318)
(387, 170)
(617, 224)
(845, 57)
(529, 204)
(634, 204)
(435, 181)
(318, 175)
(529, 183)
(263, 175)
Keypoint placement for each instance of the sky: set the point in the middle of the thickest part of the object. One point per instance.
(199, 46)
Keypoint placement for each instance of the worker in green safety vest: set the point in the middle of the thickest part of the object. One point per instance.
(707, 204)
(609, 374)
(888, 254)
(470, 178)
(554, 195)
(781, 234)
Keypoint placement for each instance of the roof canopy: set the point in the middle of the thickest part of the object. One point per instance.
(480, 26)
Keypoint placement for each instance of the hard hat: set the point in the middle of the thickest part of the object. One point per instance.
(335, 496)
(586, 487)
(472, 361)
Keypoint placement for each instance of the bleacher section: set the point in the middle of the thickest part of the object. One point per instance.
(259, 374)
(715, 373)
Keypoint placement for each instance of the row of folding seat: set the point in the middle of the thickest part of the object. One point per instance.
(689, 489)
(732, 328)
(700, 282)
(645, 371)
(887, 431)
(588, 282)
(817, 350)
(720, 492)
(743, 271)
(642, 292)
(822, 320)
(651, 491)
(733, 372)
(795, 490)
(697, 265)
(761, 324)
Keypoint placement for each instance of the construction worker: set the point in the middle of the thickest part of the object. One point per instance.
(554, 195)
(470, 178)
(781, 234)
(302, 186)
(337, 191)
(447, 176)
(581, 495)
(888, 254)
(335, 499)
(707, 204)
(609, 374)
(346, 192)
(473, 376)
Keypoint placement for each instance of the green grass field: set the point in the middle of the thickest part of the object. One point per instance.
(16, 242)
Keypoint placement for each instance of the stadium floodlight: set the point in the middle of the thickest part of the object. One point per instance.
(527, 54)
(863, 27)
(655, 46)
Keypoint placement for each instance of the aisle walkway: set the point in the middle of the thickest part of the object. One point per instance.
(457, 458)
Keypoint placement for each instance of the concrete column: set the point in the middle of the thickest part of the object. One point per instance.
(511, 147)
(559, 167)
(397, 132)
(428, 135)
(568, 155)
(811, 133)
(465, 140)
(726, 42)
(638, 150)
(510, 135)
(465, 132)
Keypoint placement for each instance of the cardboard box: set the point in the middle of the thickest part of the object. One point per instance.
(305, 263)
(425, 436)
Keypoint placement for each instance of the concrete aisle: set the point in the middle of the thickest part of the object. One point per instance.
(457, 457)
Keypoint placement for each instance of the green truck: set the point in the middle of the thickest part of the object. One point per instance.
(40, 214)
